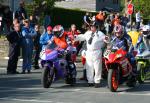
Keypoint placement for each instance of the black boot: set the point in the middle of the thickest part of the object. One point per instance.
(97, 85)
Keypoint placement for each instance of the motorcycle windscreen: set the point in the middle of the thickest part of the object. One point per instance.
(50, 52)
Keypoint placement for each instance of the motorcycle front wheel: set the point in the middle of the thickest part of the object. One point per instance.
(141, 73)
(113, 79)
(47, 76)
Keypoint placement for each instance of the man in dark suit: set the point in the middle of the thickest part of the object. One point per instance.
(14, 38)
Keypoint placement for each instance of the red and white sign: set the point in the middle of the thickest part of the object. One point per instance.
(130, 9)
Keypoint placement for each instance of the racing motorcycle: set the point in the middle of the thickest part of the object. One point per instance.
(56, 64)
(143, 64)
(119, 69)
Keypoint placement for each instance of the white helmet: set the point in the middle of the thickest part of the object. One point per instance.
(146, 28)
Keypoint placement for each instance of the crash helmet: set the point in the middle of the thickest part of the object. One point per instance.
(118, 30)
(145, 29)
(58, 30)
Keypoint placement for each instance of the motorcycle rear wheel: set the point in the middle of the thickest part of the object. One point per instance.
(113, 79)
(47, 76)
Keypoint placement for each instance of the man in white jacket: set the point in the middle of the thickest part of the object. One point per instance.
(95, 41)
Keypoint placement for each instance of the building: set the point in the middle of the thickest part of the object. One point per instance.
(90, 5)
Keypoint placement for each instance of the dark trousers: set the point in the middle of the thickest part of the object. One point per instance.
(137, 25)
(13, 58)
(36, 57)
(79, 47)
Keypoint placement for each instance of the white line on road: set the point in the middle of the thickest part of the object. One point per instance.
(120, 93)
(77, 90)
(27, 100)
(115, 93)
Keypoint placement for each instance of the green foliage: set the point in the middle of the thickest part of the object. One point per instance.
(40, 6)
(143, 6)
(44, 5)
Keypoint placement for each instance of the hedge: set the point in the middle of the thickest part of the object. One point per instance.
(62, 16)
(66, 17)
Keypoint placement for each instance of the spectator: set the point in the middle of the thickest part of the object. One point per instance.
(138, 19)
(27, 46)
(46, 37)
(21, 13)
(37, 47)
(105, 15)
(100, 20)
(14, 38)
(116, 20)
(8, 18)
(108, 28)
(71, 35)
(15, 21)
(73, 31)
(86, 20)
(124, 21)
(93, 19)
(112, 17)
(32, 21)
(47, 21)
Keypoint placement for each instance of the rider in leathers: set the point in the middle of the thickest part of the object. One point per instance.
(145, 37)
(123, 40)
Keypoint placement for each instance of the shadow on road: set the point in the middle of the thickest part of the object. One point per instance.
(140, 87)
(19, 86)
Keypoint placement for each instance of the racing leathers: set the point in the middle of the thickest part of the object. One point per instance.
(125, 42)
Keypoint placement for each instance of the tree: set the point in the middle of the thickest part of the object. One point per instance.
(143, 6)
(40, 6)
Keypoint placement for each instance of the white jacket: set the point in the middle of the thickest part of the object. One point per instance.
(97, 42)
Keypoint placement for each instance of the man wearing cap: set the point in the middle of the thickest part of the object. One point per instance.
(95, 41)
(46, 38)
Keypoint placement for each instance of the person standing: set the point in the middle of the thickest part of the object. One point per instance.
(27, 46)
(8, 19)
(47, 21)
(46, 38)
(100, 19)
(21, 13)
(86, 20)
(32, 21)
(138, 19)
(95, 42)
(124, 21)
(37, 47)
(71, 34)
(14, 38)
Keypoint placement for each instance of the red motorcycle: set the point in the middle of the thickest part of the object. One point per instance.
(118, 68)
